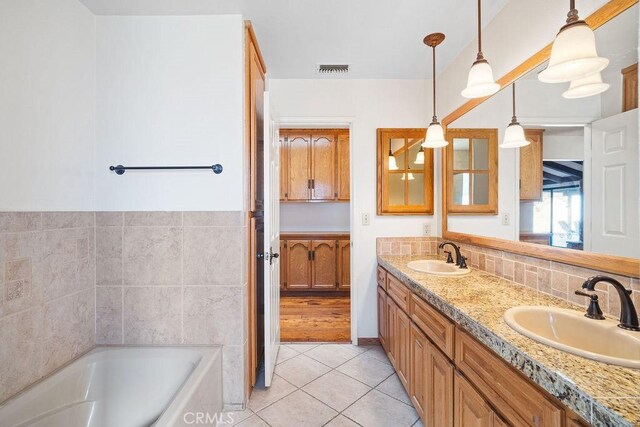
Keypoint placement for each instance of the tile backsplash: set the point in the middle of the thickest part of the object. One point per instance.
(47, 293)
(549, 277)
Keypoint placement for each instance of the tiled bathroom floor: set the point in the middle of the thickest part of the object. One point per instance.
(330, 385)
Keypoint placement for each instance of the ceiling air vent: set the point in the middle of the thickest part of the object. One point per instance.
(332, 69)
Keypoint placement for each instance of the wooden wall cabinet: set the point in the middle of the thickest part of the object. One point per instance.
(451, 378)
(630, 87)
(531, 166)
(314, 165)
(312, 263)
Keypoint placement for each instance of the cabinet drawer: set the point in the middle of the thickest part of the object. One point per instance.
(514, 396)
(435, 325)
(382, 278)
(399, 292)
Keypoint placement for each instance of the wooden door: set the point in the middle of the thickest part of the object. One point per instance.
(344, 265)
(298, 264)
(323, 147)
(403, 347)
(298, 165)
(323, 264)
(439, 382)
(531, 166)
(383, 310)
(284, 166)
(392, 310)
(471, 410)
(283, 264)
(342, 167)
(418, 391)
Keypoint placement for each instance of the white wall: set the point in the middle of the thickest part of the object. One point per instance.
(315, 216)
(371, 104)
(47, 105)
(170, 91)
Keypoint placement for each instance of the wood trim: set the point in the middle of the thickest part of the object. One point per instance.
(382, 172)
(601, 262)
(311, 235)
(254, 40)
(368, 341)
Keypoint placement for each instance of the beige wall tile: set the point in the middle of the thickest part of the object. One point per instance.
(152, 315)
(109, 219)
(19, 269)
(233, 374)
(152, 256)
(14, 222)
(69, 328)
(212, 256)
(155, 219)
(109, 256)
(212, 315)
(109, 315)
(56, 220)
(214, 219)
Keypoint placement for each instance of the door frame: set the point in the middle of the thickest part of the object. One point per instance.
(345, 122)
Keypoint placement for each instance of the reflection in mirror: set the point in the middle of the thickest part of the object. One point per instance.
(576, 185)
(405, 173)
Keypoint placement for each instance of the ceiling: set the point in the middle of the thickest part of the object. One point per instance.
(378, 38)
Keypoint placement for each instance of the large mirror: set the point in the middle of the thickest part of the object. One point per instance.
(576, 185)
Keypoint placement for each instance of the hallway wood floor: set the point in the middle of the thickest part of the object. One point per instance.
(315, 319)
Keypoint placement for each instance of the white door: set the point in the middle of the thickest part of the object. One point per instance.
(271, 241)
(614, 186)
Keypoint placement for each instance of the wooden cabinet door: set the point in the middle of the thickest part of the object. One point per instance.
(283, 264)
(298, 264)
(323, 146)
(342, 167)
(392, 310)
(382, 318)
(298, 165)
(439, 394)
(323, 264)
(344, 265)
(284, 166)
(531, 166)
(403, 348)
(471, 410)
(630, 87)
(418, 391)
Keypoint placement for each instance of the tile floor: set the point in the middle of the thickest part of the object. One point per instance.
(332, 385)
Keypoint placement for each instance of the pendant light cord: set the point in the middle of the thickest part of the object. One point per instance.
(480, 29)
(514, 120)
(434, 119)
(572, 16)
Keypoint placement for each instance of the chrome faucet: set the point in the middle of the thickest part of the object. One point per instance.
(461, 261)
(628, 315)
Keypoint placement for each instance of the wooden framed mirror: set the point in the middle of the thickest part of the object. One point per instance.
(594, 204)
(405, 173)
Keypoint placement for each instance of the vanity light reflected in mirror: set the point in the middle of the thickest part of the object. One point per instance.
(514, 134)
(480, 82)
(393, 165)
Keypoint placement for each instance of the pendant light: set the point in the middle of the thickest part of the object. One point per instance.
(480, 82)
(393, 166)
(420, 156)
(514, 135)
(573, 54)
(586, 86)
(435, 133)
(408, 176)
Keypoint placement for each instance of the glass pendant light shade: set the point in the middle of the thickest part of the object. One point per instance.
(586, 86)
(573, 54)
(420, 157)
(514, 137)
(480, 82)
(393, 166)
(435, 136)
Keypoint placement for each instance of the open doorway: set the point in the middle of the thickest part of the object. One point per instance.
(315, 245)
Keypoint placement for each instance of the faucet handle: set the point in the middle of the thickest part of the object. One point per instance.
(463, 262)
(449, 257)
(593, 311)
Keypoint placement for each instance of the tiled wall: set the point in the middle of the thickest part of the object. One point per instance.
(173, 278)
(47, 302)
(549, 277)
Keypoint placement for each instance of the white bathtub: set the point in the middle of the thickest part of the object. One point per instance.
(123, 387)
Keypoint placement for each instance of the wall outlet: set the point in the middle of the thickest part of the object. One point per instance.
(426, 229)
(506, 219)
(366, 220)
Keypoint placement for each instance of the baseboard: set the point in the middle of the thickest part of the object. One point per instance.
(368, 341)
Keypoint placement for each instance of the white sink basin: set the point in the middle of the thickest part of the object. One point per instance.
(439, 268)
(574, 333)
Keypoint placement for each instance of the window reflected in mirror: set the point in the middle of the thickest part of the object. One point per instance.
(405, 173)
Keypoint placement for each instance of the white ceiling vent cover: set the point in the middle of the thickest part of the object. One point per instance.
(332, 69)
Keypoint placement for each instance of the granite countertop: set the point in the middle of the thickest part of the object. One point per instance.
(603, 394)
